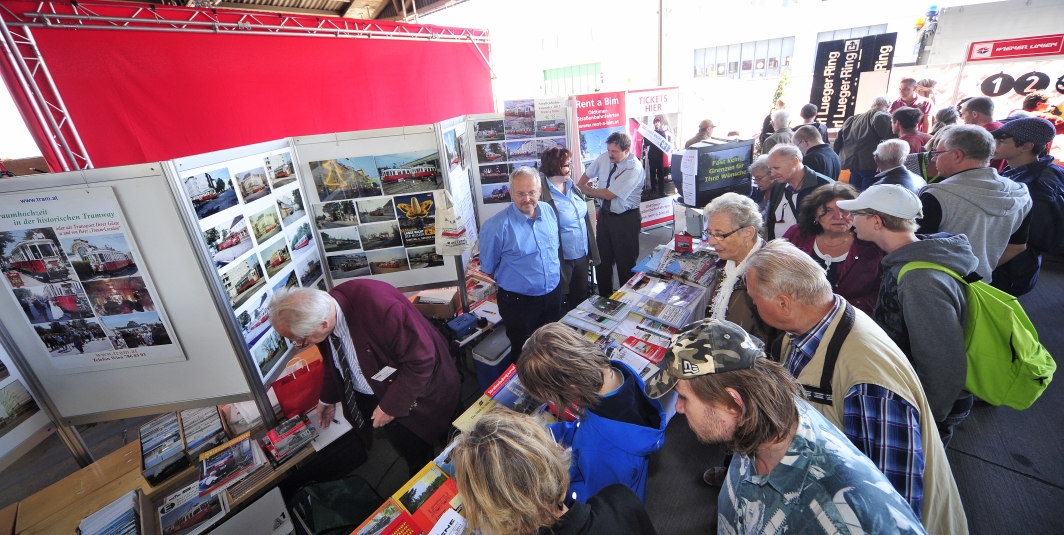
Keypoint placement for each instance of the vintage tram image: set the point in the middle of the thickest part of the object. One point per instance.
(40, 258)
(70, 297)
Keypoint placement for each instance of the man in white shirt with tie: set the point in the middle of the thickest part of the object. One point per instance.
(621, 176)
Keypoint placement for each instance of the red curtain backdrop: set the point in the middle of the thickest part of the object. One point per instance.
(140, 96)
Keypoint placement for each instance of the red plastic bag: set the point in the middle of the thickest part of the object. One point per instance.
(298, 389)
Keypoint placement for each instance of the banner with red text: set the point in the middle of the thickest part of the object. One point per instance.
(597, 116)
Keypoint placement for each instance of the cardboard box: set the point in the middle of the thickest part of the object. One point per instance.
(438, 311)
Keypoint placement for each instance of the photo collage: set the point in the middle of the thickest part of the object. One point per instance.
(80, 286)
(255, 225)
(377, 214)
(519, 139)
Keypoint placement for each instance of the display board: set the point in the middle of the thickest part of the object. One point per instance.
(208, 372)
(23, 424)
(838, 73)
(597, 116)
(515, 138)
(253, 223)
(372, 198)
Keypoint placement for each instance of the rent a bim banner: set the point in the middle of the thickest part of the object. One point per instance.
(837, 74)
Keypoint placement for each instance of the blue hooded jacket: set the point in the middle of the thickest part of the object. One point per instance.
(1045, 183)
(606, 452)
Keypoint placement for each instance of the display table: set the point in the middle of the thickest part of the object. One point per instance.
(59, 508)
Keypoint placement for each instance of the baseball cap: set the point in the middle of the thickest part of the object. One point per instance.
(1027, 129)
(890, 199)
(701, 348)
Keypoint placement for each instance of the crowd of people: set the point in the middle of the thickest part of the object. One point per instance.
(831, 372)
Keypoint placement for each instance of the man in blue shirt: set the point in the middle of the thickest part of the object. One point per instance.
(519, 249)
(793, 471)
(619, 221)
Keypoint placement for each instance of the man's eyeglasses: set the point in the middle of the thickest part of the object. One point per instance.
(935, 153)
(718, 236)
(301, 343)
(525, 194)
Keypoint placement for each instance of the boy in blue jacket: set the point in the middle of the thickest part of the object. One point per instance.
(618, 425)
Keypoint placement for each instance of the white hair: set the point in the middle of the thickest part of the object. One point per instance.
(892, 152)
(781, 118)
(974, 141)
(787, 151)
(742, 210)
(302, 310)
(881, 102)
(760, 164)
(524, 170)
(783, 269)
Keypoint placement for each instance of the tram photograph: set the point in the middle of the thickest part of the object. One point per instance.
(99, 257)
(34, 257)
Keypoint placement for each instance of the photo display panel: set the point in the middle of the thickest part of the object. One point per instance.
(254, 222)
(73, 267)
(515, 138)
(373, 198)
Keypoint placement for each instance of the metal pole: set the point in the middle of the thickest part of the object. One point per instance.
(221, 301)
(11, 50)
(661, 39)
(68, 435)
(40, 98)
(960, 73)
(58, 98)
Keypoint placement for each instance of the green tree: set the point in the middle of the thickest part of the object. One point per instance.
(5, 239)
(211, 236)
(219, 186)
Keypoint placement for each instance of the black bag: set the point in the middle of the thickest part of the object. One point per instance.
(334, 507)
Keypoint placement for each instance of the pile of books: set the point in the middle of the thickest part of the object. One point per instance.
(202, 429)
(227, 464)
(186, 512)
(427, 504)
(122, 516)
(597, 314)
(161, 448)
(507, 392)
(288, 438)
(697, 266)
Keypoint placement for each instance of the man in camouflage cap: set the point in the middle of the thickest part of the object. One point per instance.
(792, 470)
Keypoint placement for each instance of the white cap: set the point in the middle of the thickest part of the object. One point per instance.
(890, 199)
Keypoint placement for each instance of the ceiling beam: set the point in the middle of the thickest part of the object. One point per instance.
(277, 9)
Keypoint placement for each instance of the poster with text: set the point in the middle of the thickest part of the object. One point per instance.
(653, 119)
(70, 263)
(597, 116)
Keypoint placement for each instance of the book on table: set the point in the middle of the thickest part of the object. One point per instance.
(670, 315)
(605, 306)
(229, 463)
(389, 519)
(507, 392)
(652, 352)
(428, 495)
(185, 512)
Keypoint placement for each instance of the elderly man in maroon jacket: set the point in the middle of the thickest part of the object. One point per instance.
(383, 358)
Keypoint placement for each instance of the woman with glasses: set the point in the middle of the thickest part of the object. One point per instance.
(825, 232)
(513, 479)
(578, 250)
(733, 223)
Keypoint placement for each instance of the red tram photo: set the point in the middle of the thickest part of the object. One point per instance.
(70, 297)
(403, 173)
(107, 260)
(231, 240)
(41, 259)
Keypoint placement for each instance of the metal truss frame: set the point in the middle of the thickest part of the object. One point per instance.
(151, 17)
(33, 77)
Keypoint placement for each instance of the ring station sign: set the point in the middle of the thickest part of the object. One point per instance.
(1043, 45)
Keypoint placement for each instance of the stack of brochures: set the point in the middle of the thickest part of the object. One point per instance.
(506, 391)
(162, 451)
(288, 438)
(590, 321)
(185, 512)
(121, 516)
(227, 464)
(202, 429)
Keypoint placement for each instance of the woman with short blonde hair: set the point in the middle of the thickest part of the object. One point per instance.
(513, 478)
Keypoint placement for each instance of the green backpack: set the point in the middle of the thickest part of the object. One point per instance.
(1007, 365)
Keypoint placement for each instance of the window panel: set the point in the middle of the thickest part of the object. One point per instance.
(760, 58)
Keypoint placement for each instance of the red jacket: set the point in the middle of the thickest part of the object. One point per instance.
(386, 329)
(859, 274)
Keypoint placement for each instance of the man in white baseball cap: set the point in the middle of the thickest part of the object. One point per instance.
(924, 310)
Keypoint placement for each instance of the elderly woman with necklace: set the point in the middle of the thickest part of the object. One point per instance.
(733, 223)
(825, 232)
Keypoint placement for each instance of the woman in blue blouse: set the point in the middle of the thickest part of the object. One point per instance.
(578, 250)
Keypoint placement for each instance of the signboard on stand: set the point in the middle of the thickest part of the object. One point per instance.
(70, 262)
(597, 116)
(837, 73)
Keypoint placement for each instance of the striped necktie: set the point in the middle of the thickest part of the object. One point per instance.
(354, 416)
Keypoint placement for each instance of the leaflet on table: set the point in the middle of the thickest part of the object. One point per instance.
(605, 306)
(630, 328)
(652, 352)
(326, 435)
(70, 260)
(573, 321)
(185, 512)
(680, 294)
(632, 359)
(645, 284)
(594, 318)
(667, 314)
(488, 310)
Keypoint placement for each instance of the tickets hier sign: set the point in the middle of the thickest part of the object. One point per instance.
(600, 110)
(653, 101)
(1043, 45)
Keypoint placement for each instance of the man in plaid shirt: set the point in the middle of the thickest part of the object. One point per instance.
(858, 378)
